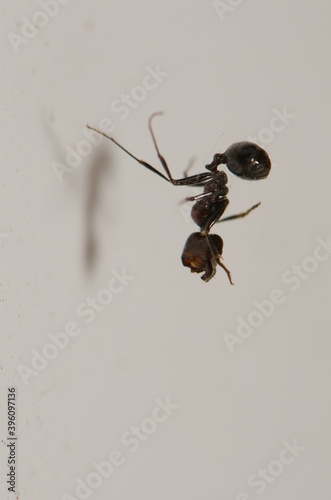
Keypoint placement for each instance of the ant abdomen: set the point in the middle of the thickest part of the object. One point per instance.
(197, 254)
(248, 161)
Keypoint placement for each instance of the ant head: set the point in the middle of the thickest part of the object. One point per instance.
(248, 161)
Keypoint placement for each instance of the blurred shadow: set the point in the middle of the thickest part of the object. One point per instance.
(97, 171)
(93, 172)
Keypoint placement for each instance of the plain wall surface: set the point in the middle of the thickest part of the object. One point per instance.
(227, 76)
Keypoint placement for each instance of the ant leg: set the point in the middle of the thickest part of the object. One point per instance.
(193, 180)
(162, 160)
(189, 181)
(198, 180)
(213, 219)
(189, 166)
(197, 197)
(145, 164)
(226, 270)
(217, 258)
(242, 214)
(210, 271)
(201, 196)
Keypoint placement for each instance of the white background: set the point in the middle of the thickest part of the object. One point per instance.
(163, 336)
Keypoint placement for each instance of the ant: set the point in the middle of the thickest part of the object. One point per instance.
(202, 251)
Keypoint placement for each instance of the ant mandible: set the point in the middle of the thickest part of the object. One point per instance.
(202, 251)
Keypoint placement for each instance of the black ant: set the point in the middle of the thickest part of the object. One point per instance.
(203, 251)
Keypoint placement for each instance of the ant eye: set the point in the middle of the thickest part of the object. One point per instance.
(248, 161)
